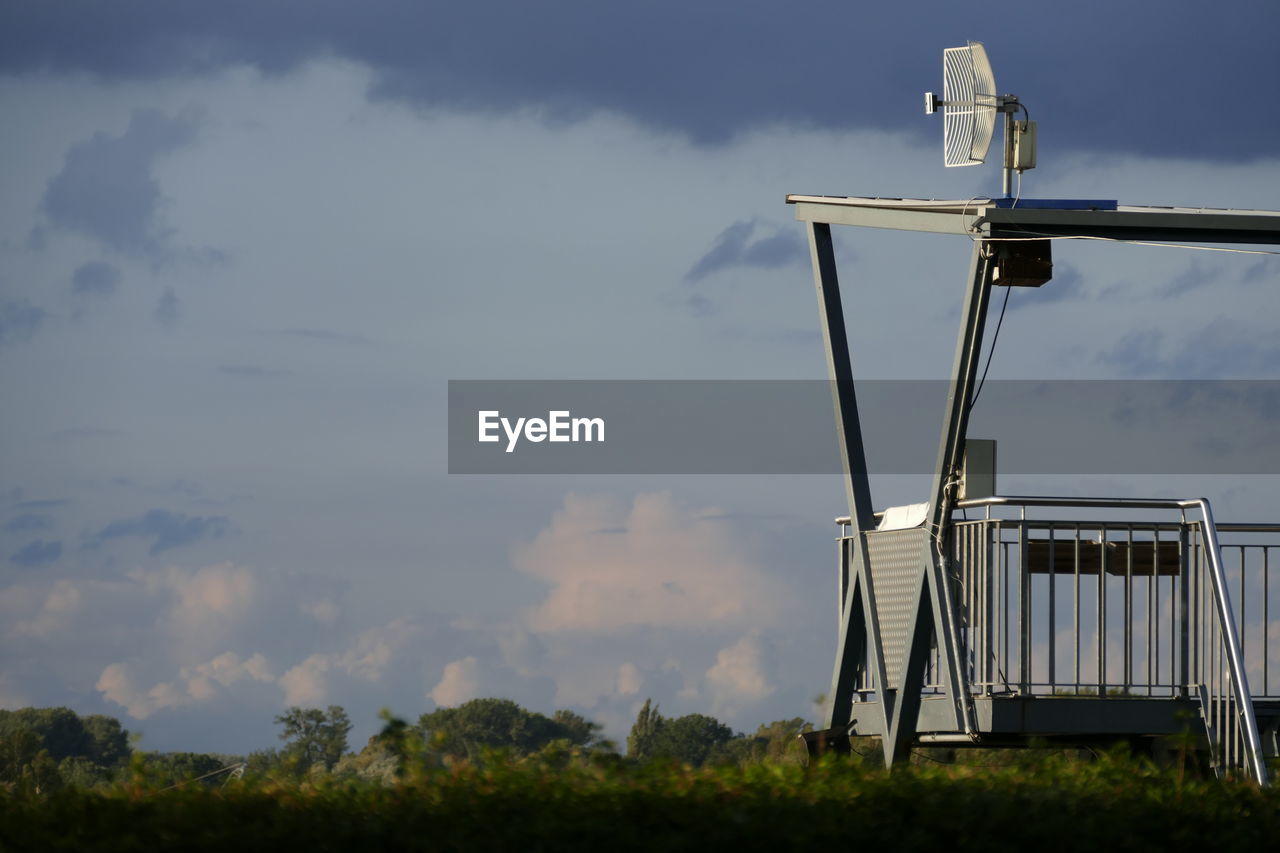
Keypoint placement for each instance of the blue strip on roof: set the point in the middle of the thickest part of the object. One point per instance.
(1056, 203)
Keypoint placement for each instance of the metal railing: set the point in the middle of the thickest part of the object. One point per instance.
(1161, 603)
(1119, 607)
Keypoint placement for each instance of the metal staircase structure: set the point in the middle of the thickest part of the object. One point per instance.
(1003, 620)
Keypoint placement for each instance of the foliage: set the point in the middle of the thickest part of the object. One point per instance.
(377, 762)
(41, 749)
(691, 739)
(501, 724)
(603, 802)
(643, 730)
(173, 768)
(314, 737)
(108, 741)
(773, 743)
(694, 739)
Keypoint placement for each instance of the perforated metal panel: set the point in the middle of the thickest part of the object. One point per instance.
(895, 558)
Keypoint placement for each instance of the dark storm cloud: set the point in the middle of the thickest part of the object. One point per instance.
(167, 308)
(19, 320)
(165, 529)
(95, 277)
(1136, 354)
(51, 503)
(28, 522)
(1194, 277)
(1067, 285)
(37, 553)
(1219, 349)
(106, 189)
(735, 247)
(1098, 75)
(1265, 269)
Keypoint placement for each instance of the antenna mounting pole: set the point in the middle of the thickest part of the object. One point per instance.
(1008, 106)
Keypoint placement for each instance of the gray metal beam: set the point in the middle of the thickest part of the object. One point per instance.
(980, 217)
(855, 633)
(1168, 226)
(858, 634)
(937, 560)
(878, 217)
(934, 608)
(840, 372)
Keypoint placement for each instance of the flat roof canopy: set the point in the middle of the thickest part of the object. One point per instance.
(983, 218)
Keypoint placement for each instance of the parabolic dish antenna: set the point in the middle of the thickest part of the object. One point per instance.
(969, 106)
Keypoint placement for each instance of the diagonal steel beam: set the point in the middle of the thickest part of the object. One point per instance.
(840, 371)
(859, 631)
(935, 609)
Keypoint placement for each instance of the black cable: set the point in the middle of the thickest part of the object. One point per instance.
(991, 352)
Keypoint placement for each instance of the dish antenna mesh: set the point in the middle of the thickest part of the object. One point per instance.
(969, 104)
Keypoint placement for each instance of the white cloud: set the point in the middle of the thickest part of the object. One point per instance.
(207, 599)
(322, 611)
(738, 677)
(194, 684)
(227, 668)
(653, 564)
(460, 683)
(60, 605)
(629, 680)
(307, 684)
(369, 656)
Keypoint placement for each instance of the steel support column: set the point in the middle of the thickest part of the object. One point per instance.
(935, 605)
(840, 371)
(859, 634)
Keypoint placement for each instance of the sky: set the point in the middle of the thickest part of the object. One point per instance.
(244, 247)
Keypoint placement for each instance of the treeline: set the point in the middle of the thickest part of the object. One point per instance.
(499, 729)
(46, 749)
(42, 749)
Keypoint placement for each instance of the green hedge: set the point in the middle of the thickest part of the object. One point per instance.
(608, 805)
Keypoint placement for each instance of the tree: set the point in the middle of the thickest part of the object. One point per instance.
(380, 761)
(19, 747)
(60, 730)
(108, 742)
(643, 730)
(80, 772)
(691, 739)
(38, 743)
(173, 768)
(315, 736)
(777, 741)
(577, 729)
(502, 724)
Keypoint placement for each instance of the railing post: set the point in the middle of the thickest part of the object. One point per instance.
(1184, 613)
(1024, 612)
(1244, 713)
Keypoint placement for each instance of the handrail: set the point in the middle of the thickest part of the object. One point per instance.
(1221, 596)
(1239, 679)
(1241, 694)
